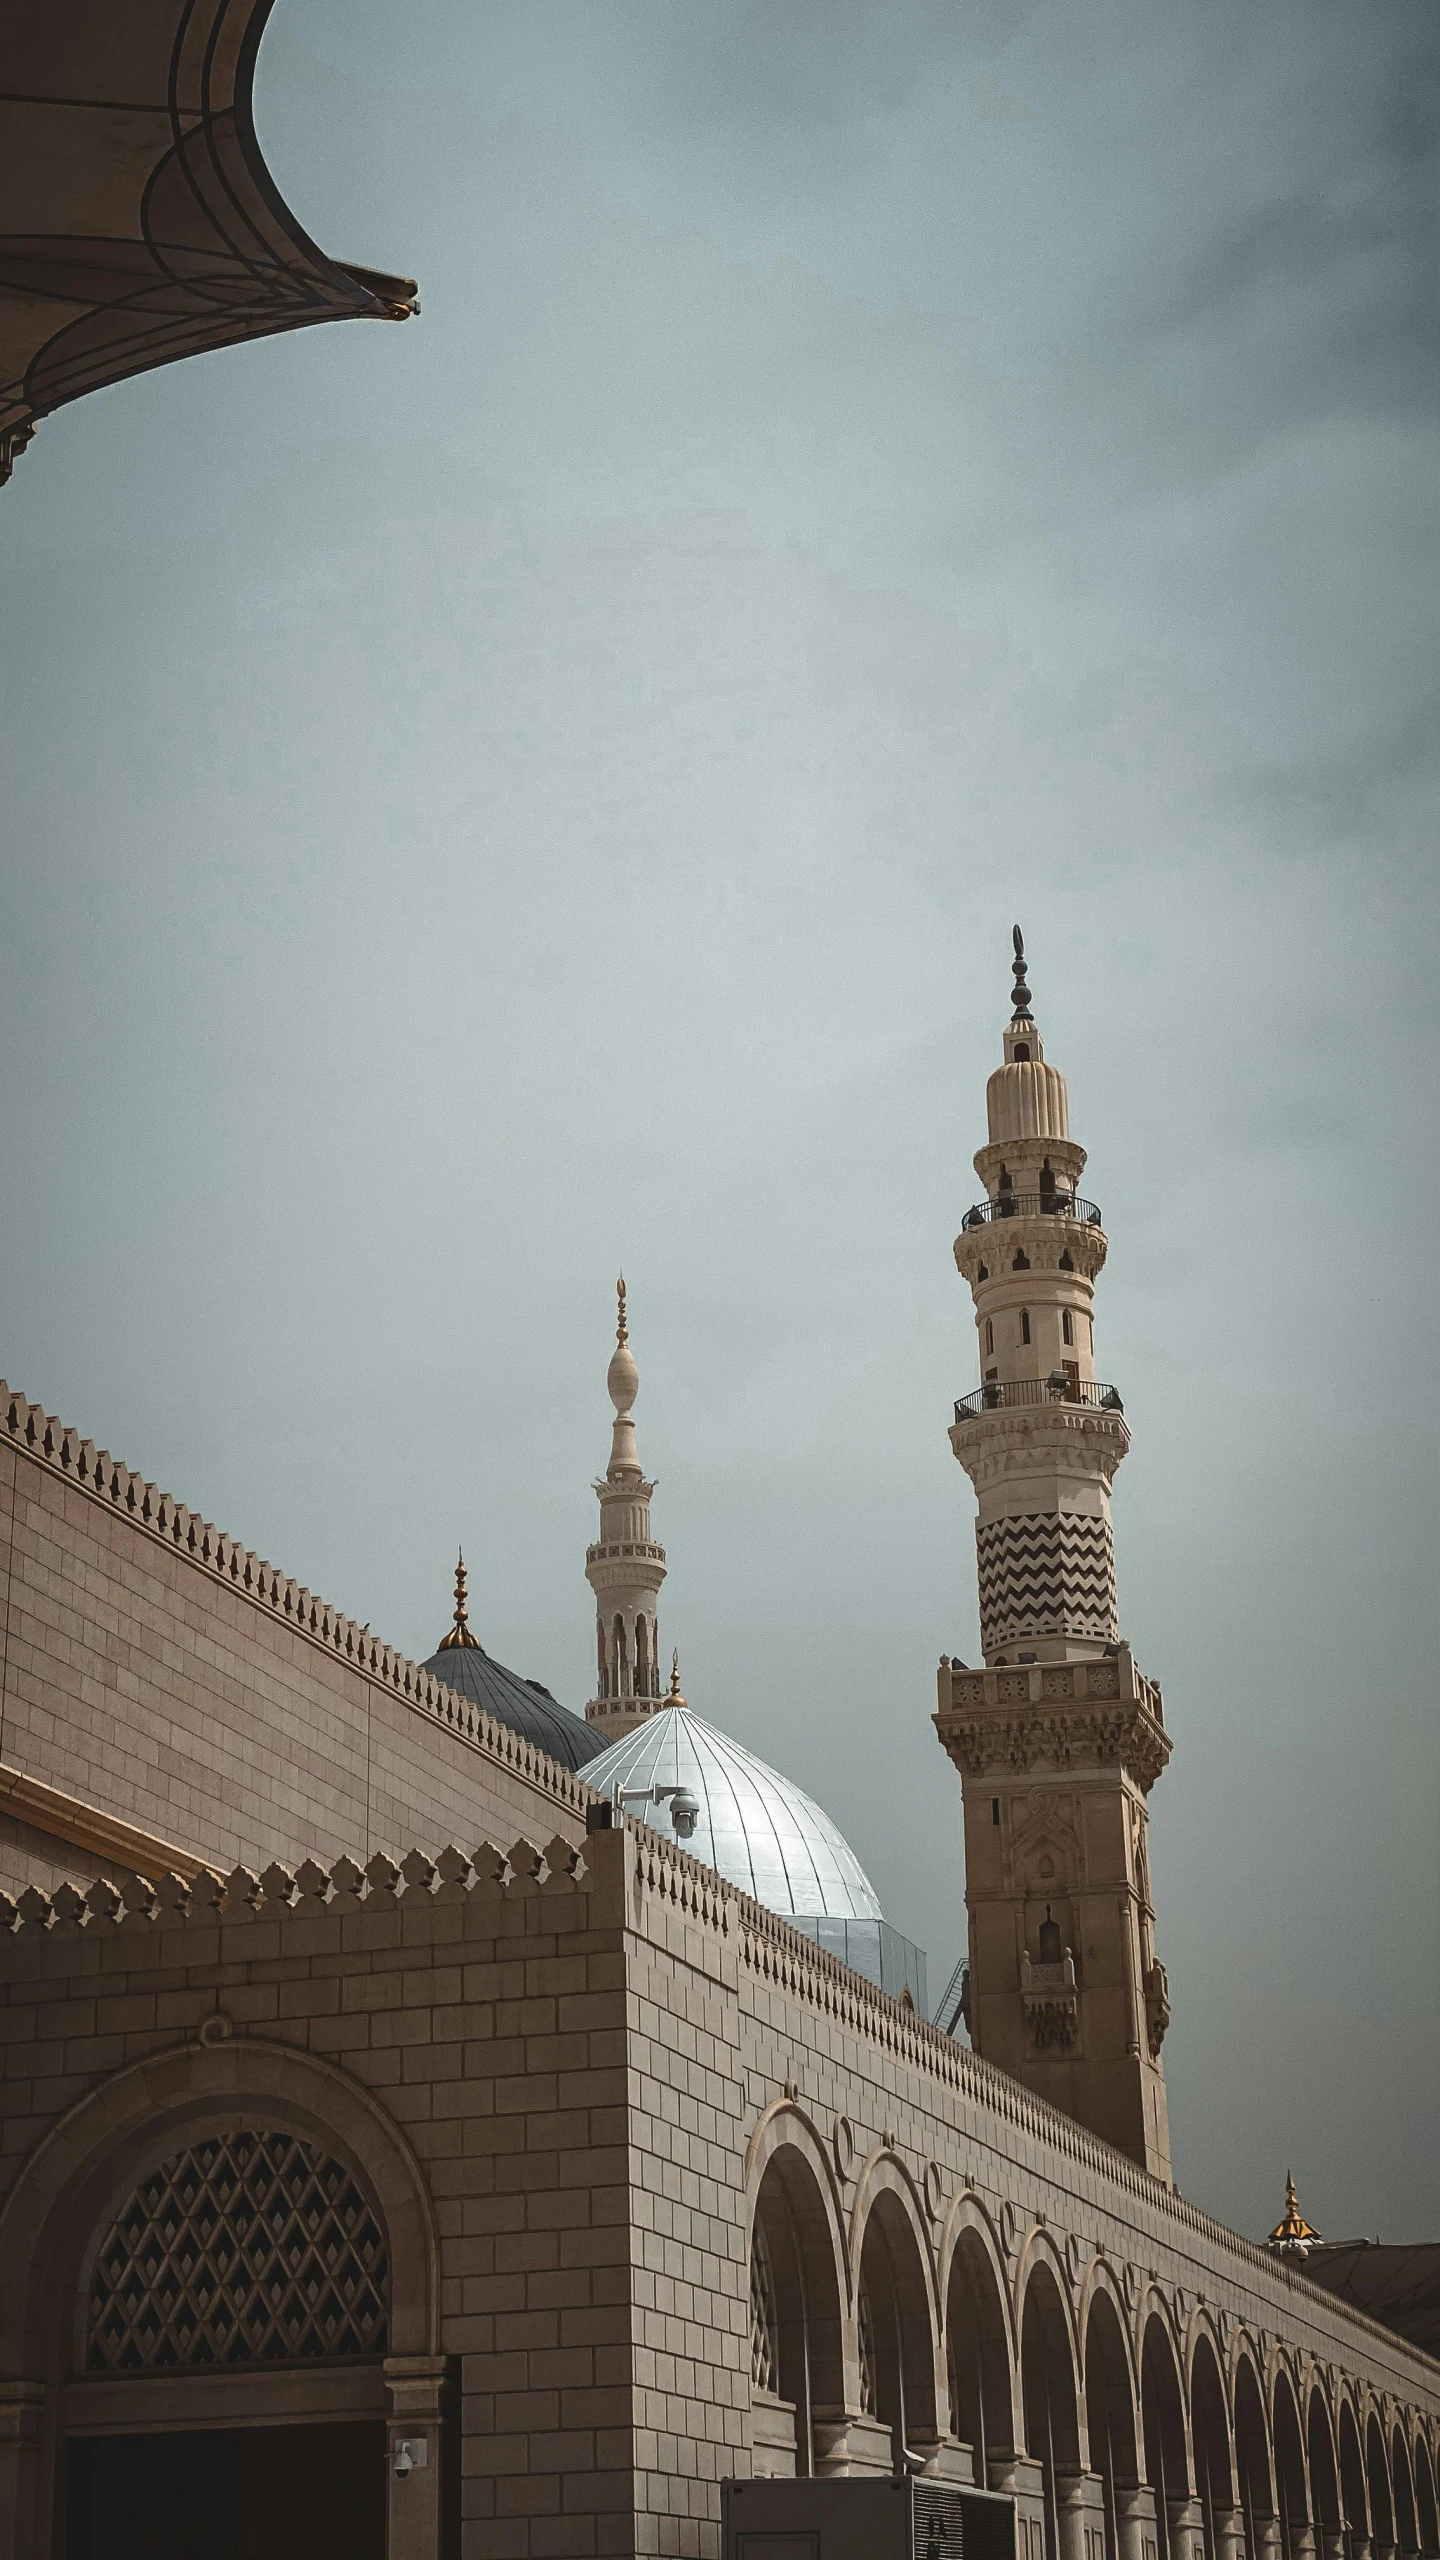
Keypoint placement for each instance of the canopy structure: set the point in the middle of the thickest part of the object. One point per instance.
(138, 221)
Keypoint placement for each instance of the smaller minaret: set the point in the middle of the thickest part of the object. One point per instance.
(624, 1568)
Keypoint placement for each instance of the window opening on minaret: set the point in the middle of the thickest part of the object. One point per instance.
(1052, 1945)
(642, 1682)
(989, 1335)
(1021, 1262)
(622, 1659)
(983, 1272)
(1021, 1049)
(1067, 1325)
(1024, 1324)
(995, 1811)
(1065, 1262)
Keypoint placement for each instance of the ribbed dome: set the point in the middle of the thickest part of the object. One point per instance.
(522, 1704)
(756, 1828)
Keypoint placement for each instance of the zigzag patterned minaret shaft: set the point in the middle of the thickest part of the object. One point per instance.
(1059, 1739)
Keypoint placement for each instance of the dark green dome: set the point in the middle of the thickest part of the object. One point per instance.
(524, 1705)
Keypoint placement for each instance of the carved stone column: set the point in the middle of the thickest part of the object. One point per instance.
(22, 2408)
(1187, 2529)
(1024, 2481)
(1135, 2528)
(849, 2446)
(1334, 2546)
(413, 2455)
(1267, 2538)
(1302, 2542)
(1080, 2514)
(1230, 2534)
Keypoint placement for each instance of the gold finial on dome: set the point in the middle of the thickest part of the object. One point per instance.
(622, 1329)
(460, 1633)
(672, 1694)
(1292, 2231)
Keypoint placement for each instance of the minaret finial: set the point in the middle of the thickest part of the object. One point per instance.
(672, 1694)
(622, 1329)
(1022, 1011)
(460, 1632)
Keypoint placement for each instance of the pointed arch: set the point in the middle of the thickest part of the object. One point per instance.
(1049, 2382)
(1427, 2522)
(1210, 2439)
(897, 2323)
(980, 2358)
(1406, 2536)
(1252, 2450)
(1163, 2428)
(1354, 2504)
(798, 2289)
(1326, 2507)
(1111, 2400)
(1377, 2481)
(1290, 2485)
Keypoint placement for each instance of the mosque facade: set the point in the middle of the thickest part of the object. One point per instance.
(438, 2124)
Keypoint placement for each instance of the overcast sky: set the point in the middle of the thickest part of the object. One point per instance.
(548, 787)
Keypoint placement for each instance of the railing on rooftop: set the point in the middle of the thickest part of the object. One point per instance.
(1002, 1395)
(1032, 1204)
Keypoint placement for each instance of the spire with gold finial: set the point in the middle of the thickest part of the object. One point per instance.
(460, 1633)
(672, 1694)
(1020, 1003)
(1292, 2236)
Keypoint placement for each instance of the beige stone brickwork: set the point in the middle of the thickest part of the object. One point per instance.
(571, 2081)
(155, 1673)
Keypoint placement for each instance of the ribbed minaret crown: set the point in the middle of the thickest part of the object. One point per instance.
(624, 1567)
(1059, 1738)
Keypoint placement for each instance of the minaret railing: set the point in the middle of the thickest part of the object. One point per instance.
(1032, 1204)
(1001, 1394)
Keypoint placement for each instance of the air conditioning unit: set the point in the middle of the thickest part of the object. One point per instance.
(894, 2519)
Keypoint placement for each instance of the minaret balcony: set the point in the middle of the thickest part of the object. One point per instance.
(1005, 1395)
(1032, 1204)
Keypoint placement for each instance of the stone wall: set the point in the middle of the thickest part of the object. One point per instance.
(194, 1699)
(576, 2072)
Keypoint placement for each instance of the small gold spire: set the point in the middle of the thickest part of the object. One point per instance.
(1292, 2230)
(672, 1694)
(460, 1633)
(622, 1330)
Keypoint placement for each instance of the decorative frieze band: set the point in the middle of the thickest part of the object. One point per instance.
(1045, 1573)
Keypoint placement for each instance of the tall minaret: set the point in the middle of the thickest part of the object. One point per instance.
(1059, 1739)
(624, 1568)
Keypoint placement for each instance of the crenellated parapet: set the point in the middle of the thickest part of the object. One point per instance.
(173, 1525)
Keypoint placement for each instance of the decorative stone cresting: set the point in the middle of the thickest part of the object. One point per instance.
(160, 1516)
(456, 1875)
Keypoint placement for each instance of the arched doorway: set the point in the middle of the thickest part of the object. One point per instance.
(1252, 2460)
(1162, 2413)
(1210, 2436)
(1295, 2536)
(977, 2355)
(1352, 2484)
(1377, 2481)
(1110, 2412)
(796, 2352)
(229, 2242)
(896, 2330)
(1047, 2378)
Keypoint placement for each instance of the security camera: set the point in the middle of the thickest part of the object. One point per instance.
(684, 1813)
(411, 2454)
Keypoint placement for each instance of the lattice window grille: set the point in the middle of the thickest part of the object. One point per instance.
(764, 2350)
(249, 2248)
(869, 2392)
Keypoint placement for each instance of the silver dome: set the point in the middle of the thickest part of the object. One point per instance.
(757, 1829)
